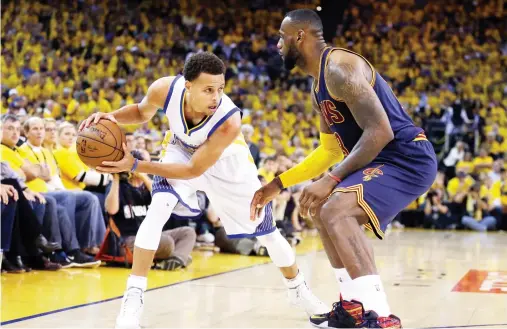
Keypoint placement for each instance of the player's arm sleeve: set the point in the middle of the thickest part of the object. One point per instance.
(93, 178)
(321, 159)
(78, 172)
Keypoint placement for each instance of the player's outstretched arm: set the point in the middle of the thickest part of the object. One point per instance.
(136, 113)
(321, 159)
(203, 158)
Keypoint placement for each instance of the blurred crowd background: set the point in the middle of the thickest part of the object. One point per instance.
(63, 60)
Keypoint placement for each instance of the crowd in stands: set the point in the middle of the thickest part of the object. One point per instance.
(63, 60)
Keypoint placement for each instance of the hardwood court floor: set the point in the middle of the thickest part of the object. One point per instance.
(433, 279)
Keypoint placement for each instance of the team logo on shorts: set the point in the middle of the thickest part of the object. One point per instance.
(371, 173)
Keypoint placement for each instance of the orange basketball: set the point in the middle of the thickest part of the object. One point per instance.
(100, 142)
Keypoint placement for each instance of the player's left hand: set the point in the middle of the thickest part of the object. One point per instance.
(114, 167)
(262, 197)
(314, 194)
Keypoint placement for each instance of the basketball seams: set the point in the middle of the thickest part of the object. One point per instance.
(110, 132)
(114, 143)
(100, 156)
(121, 156)
(96, 140)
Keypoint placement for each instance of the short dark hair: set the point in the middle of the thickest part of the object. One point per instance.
(10, 118)
(306, 17)
(204, 62)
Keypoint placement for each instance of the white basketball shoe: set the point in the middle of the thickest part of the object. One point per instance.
(300, 295)
(131, 309)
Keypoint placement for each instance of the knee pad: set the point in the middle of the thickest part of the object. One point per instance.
(279, 249)
(161, 207)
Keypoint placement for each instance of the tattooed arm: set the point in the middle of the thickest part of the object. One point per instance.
(346, 80)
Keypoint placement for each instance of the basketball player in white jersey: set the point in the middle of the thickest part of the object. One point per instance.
(207, 153)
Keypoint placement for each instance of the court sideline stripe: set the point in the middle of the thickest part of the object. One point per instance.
(33, 316)
(469, 326)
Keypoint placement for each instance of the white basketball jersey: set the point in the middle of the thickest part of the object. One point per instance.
(191, 138)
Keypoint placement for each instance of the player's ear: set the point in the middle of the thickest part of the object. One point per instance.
(300, 36)
(188, 84)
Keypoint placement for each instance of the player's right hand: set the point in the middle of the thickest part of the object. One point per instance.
(262, 197)
(95, 118)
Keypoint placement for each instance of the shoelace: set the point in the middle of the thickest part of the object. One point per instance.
(133, 302)
(336, 306)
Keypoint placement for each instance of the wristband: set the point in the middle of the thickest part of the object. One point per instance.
(134, 166)
(278, 182)
(335, 178)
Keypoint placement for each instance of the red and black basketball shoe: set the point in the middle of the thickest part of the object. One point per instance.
(345, 314)
(351, 314)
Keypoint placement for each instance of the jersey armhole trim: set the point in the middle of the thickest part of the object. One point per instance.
(170, 93)
(314, 96)
(221, 121)
(374, 75)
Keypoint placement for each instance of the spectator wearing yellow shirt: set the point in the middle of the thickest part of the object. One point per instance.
(498, 147)
(83, 207)
(496, 174)
(75, 174)
(483, 163)
(269, 169)
(498, 197)
(10, 154)
(457, 190)
(477, 216)
(99, 104)
(466, 165)
(11, 157)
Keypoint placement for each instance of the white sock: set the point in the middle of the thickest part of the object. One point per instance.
(370, 292)
(345, 283)
(294, 282)
(140, 282)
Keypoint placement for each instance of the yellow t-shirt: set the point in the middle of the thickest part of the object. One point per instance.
(465, 166)
(70, 166)
(455, 186)
(482, 161)
(499, 191)
(12, 157)
(269, 176)
(38, 157)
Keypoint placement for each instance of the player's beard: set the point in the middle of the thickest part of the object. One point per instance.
(290, 60)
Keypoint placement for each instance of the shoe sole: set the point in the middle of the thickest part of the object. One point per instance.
(322, 325)
(116, 326)
(68, 265)
(87, 265)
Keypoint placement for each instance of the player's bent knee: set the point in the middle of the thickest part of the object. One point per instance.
(317, 220)
(279, 249)
(330, 212)
(161, 207)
